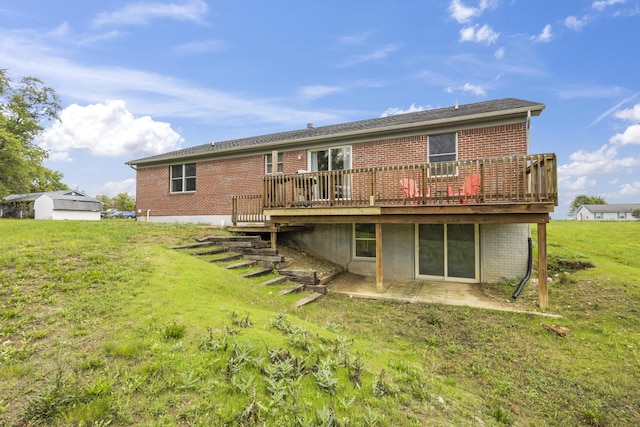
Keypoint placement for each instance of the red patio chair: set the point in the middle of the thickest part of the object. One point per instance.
(470, 188)
(412, 191)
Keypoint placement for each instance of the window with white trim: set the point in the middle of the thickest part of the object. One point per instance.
(268, 162)
(365, 240)
(183, 178)
(443, 148)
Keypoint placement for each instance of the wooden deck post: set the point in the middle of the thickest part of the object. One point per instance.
(542, 265)
(274, 239)
(379, 286)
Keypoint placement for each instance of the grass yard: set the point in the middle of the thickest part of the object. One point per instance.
(103, 324)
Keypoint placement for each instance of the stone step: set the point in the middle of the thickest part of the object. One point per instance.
(257, 273)
(309, 298)
(275, 281)
(242, 264)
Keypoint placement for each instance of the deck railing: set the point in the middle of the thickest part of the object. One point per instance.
(514, 179)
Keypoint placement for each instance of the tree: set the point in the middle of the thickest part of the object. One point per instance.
(636, 213)
(122, 202)
(25, 109)
(585, 200)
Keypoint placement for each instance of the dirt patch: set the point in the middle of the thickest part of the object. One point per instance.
(569, 265)
(300, 259)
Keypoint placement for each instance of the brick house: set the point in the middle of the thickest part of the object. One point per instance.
(443, 194)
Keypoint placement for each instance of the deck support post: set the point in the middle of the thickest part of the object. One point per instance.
(379, 286)
(274, 239)
(542, 265)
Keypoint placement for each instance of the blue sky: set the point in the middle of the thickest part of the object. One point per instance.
(138, 78)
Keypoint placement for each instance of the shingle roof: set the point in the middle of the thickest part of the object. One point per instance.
(478, 110)
(613, 208)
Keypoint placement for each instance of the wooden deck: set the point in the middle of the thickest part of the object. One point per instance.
(482, 190)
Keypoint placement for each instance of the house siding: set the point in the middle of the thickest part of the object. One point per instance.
(503, 251)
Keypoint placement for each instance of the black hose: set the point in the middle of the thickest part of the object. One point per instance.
(528, 275)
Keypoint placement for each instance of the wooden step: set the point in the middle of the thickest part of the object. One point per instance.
(194, 245)
(242, 264)
(307, 277)
(260, 272)
(275, 281)
(213, 251)
(230, 257)
(309, 298)
(298, 288)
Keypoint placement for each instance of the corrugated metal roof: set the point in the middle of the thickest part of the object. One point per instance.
(436, 116)
(62, 200)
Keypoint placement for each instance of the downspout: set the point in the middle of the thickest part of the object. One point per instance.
(529, 268)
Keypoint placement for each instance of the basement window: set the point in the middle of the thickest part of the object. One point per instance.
(365, 240)
(183, 178)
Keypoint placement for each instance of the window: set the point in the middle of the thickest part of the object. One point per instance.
(622, 215)
(268, 162)
(442, 148)
(365, 240)
(183, 178)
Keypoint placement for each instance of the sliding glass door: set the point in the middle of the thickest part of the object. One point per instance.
(447, 251)
(333, 159)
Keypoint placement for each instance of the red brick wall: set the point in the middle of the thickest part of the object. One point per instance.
(492, 141)
(390, 152)
(218, 180)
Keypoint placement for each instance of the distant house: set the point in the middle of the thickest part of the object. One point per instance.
(610, 212)
(66, 204)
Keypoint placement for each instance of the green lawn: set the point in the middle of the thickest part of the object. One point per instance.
(103, 324)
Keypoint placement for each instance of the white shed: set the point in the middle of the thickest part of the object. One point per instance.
(66, 204)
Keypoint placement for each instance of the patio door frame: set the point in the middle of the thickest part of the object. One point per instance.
(446, 277)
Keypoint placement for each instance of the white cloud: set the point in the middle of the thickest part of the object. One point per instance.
(144, 12)
(113, 188)
(631, 135)
(468, 88)
(545, 36)
(462, 13)
(394, 111)
(600, 5)
(108, 130)
(630, 189)
(499, 54)
(631, 114)
(578, 185)
(603, 161)
(319, 91)
(575, 23)
(30, 53)
(484, 34)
